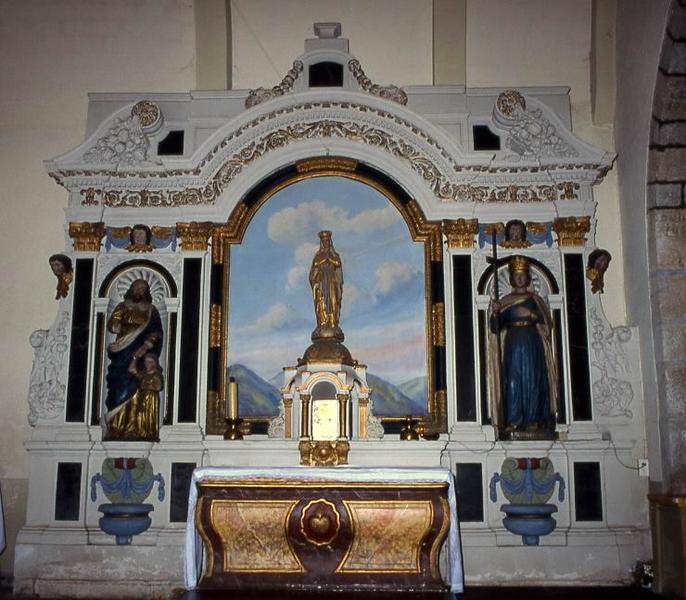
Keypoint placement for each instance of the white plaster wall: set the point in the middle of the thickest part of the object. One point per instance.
(640, 29)
(51, 55)
(392, 38)
(548, 42)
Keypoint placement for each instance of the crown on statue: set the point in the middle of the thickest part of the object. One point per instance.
(519, 263)
(324, 234)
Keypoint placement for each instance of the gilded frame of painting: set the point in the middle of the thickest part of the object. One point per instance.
(421, 230)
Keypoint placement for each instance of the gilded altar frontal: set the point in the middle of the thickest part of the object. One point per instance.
(363, 296)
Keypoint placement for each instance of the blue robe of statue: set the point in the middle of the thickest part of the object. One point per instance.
(524, 368)
(138, 327)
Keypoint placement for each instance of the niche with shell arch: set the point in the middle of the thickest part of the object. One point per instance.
(163, 292)
(545, 284)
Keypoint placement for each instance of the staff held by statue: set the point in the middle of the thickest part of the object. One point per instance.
(497, 416)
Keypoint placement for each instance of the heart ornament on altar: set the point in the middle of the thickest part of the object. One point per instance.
(320, 522)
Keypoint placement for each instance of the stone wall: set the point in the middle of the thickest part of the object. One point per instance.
(667, 244)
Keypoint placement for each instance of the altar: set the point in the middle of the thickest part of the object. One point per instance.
(325, 528)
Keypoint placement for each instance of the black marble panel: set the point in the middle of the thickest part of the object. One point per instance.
(326, 74)
(78, 353)
(172, 144)
(439, 368)
(465, 383)
(400, 194)
(484, 138)
(68, 491)
(469, 489)
(217, 284)
(97, 372)
(437, 286)
(483, 368)
(562, 414)
(190, 330)
(181, 474)
(171, 372)
(579, 369)
(588, 495)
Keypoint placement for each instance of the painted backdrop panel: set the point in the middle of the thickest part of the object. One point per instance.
(271, 313)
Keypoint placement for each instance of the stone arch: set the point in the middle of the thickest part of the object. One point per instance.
(666, 233)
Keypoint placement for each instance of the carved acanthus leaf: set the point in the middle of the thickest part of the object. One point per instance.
(530, 134)
(388, 92)
(260, 94)
(612, 392)
(47, 386)
(126, 142)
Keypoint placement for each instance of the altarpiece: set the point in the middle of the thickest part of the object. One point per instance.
(192, 223)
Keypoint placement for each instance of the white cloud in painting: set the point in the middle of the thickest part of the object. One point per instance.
(390, 275)
(276, 317)
(295, 277)
(395, 351)
(298, 272)
(308, 218)
(351, 294)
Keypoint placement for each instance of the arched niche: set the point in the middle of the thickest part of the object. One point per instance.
(396, 206)
(111, 292)
(543, 283)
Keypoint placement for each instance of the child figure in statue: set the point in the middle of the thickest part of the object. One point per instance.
(137, 325)
(139, 419)
(528, 371)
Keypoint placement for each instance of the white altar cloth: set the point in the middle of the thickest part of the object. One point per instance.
(194, 548)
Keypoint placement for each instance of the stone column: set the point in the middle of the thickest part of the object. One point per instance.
(305, 416)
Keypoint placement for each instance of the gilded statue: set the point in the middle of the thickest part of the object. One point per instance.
(326, 280)
(515, 235)
(598, 262)
(134, 378)
(62, 269)
(525, 375)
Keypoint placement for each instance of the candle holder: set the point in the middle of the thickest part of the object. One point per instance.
(233, 429)
(408, 431)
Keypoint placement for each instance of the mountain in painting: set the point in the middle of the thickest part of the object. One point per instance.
(415, 389)
(256, 397)
(389, 400)
(277, 380)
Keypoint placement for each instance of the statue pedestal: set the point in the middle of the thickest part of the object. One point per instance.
(325, 404)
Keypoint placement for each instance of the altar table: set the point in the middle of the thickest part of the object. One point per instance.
(324, 528)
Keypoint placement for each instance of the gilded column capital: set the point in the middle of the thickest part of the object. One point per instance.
(87, 236)
(571, 231)
(194, 235)
(461, 232)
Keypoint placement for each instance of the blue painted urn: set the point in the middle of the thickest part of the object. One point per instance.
(528, 483)
(126, 482)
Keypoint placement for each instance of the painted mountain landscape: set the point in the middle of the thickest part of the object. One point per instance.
(257, 397)
(383, 310)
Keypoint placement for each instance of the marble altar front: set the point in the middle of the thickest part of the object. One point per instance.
(325, 528)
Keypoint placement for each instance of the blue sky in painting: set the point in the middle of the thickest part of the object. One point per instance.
(270, 304)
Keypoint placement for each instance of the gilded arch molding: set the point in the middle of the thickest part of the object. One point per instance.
(428, 232)
(431, 158)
